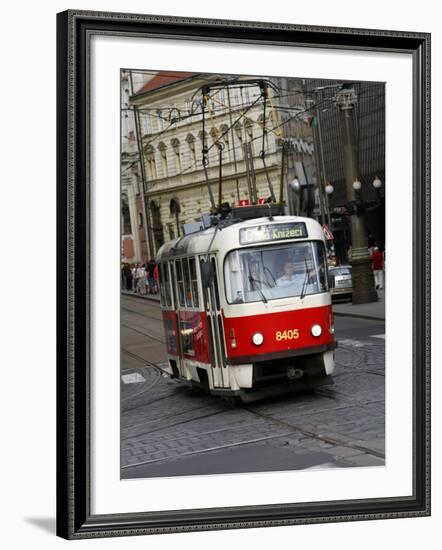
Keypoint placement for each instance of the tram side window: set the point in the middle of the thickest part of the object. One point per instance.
(194, 281)
(162, 285)
(180, 283)
(215, 283)
(165, 293)
(187, 284)
(322, 267)
(206, 298)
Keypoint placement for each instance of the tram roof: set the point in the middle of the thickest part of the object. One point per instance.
(199, 242)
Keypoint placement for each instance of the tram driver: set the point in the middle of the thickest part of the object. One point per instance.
(291, 275)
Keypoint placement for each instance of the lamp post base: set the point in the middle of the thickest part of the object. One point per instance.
(364, 291)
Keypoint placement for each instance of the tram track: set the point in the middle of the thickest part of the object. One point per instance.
(144, 333)
(360, 355)
(175, 424)
(295, 428)
(319, 437)
(159, 371)
(165, 417)
(155, 306)
(290, 428)
(171, 423)
(145, 315)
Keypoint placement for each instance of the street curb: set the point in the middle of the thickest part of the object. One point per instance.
(358, 316)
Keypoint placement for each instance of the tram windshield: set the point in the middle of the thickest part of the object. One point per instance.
(271, 272)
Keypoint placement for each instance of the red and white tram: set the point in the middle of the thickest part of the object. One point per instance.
(246, 306)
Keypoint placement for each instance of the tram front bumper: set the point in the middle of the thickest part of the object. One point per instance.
(278, 355)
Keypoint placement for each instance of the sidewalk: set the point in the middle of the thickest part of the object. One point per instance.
(374, 310)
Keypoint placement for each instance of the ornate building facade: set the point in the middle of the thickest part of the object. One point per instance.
(173, 134)
(133, 223)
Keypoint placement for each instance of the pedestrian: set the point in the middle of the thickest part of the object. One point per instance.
(126, 275)
(141, 279)
(150, 275)
(135, 278)
(377, 260)
(156, 276)
(129, 278)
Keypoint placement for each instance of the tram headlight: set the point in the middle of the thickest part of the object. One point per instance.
(257, 338)
(316, 330)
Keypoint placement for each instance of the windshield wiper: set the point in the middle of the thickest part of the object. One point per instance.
(253, 282)
(304, 284)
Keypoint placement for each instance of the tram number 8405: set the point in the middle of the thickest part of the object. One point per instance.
(290, 334)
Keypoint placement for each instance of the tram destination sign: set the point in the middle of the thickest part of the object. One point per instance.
(272, 232)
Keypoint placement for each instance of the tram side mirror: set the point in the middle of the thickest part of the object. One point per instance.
(206, 274)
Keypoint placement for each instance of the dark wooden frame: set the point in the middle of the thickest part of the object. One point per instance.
(74, 29)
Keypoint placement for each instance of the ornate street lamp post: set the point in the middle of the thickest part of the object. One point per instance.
(363, 281)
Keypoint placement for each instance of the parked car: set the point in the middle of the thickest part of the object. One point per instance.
(340, 282)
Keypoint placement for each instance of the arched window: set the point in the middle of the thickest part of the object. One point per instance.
(190, 139)
(214, 133)
(240, 136)
(171, 231)
(248, 126)
(162, 147)
(177, 154)
(157, 226)
(225, 132)
(160, 120)
(175, 209)
(151, 167)
(147, 124)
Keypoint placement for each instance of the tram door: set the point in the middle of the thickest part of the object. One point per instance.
(214, 325)
(176, 303)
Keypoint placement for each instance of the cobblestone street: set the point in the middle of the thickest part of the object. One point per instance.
(170, 429)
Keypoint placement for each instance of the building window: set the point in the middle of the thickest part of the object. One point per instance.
(249, 129)
(177, 155)
(147, 124)
(245, 96)
(222, 97)
(225, 133)
(262, 127)
(171, 231)
(188, 106)
(160, 120)
(248, 126)
(234, 96)
(191, 143)
(175, 209)
(151, 167)
(164, 165)
(214, 134)
(157, 226)
(125, 215)
(240, 136)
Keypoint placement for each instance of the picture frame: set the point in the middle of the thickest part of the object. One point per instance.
(75, 519)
